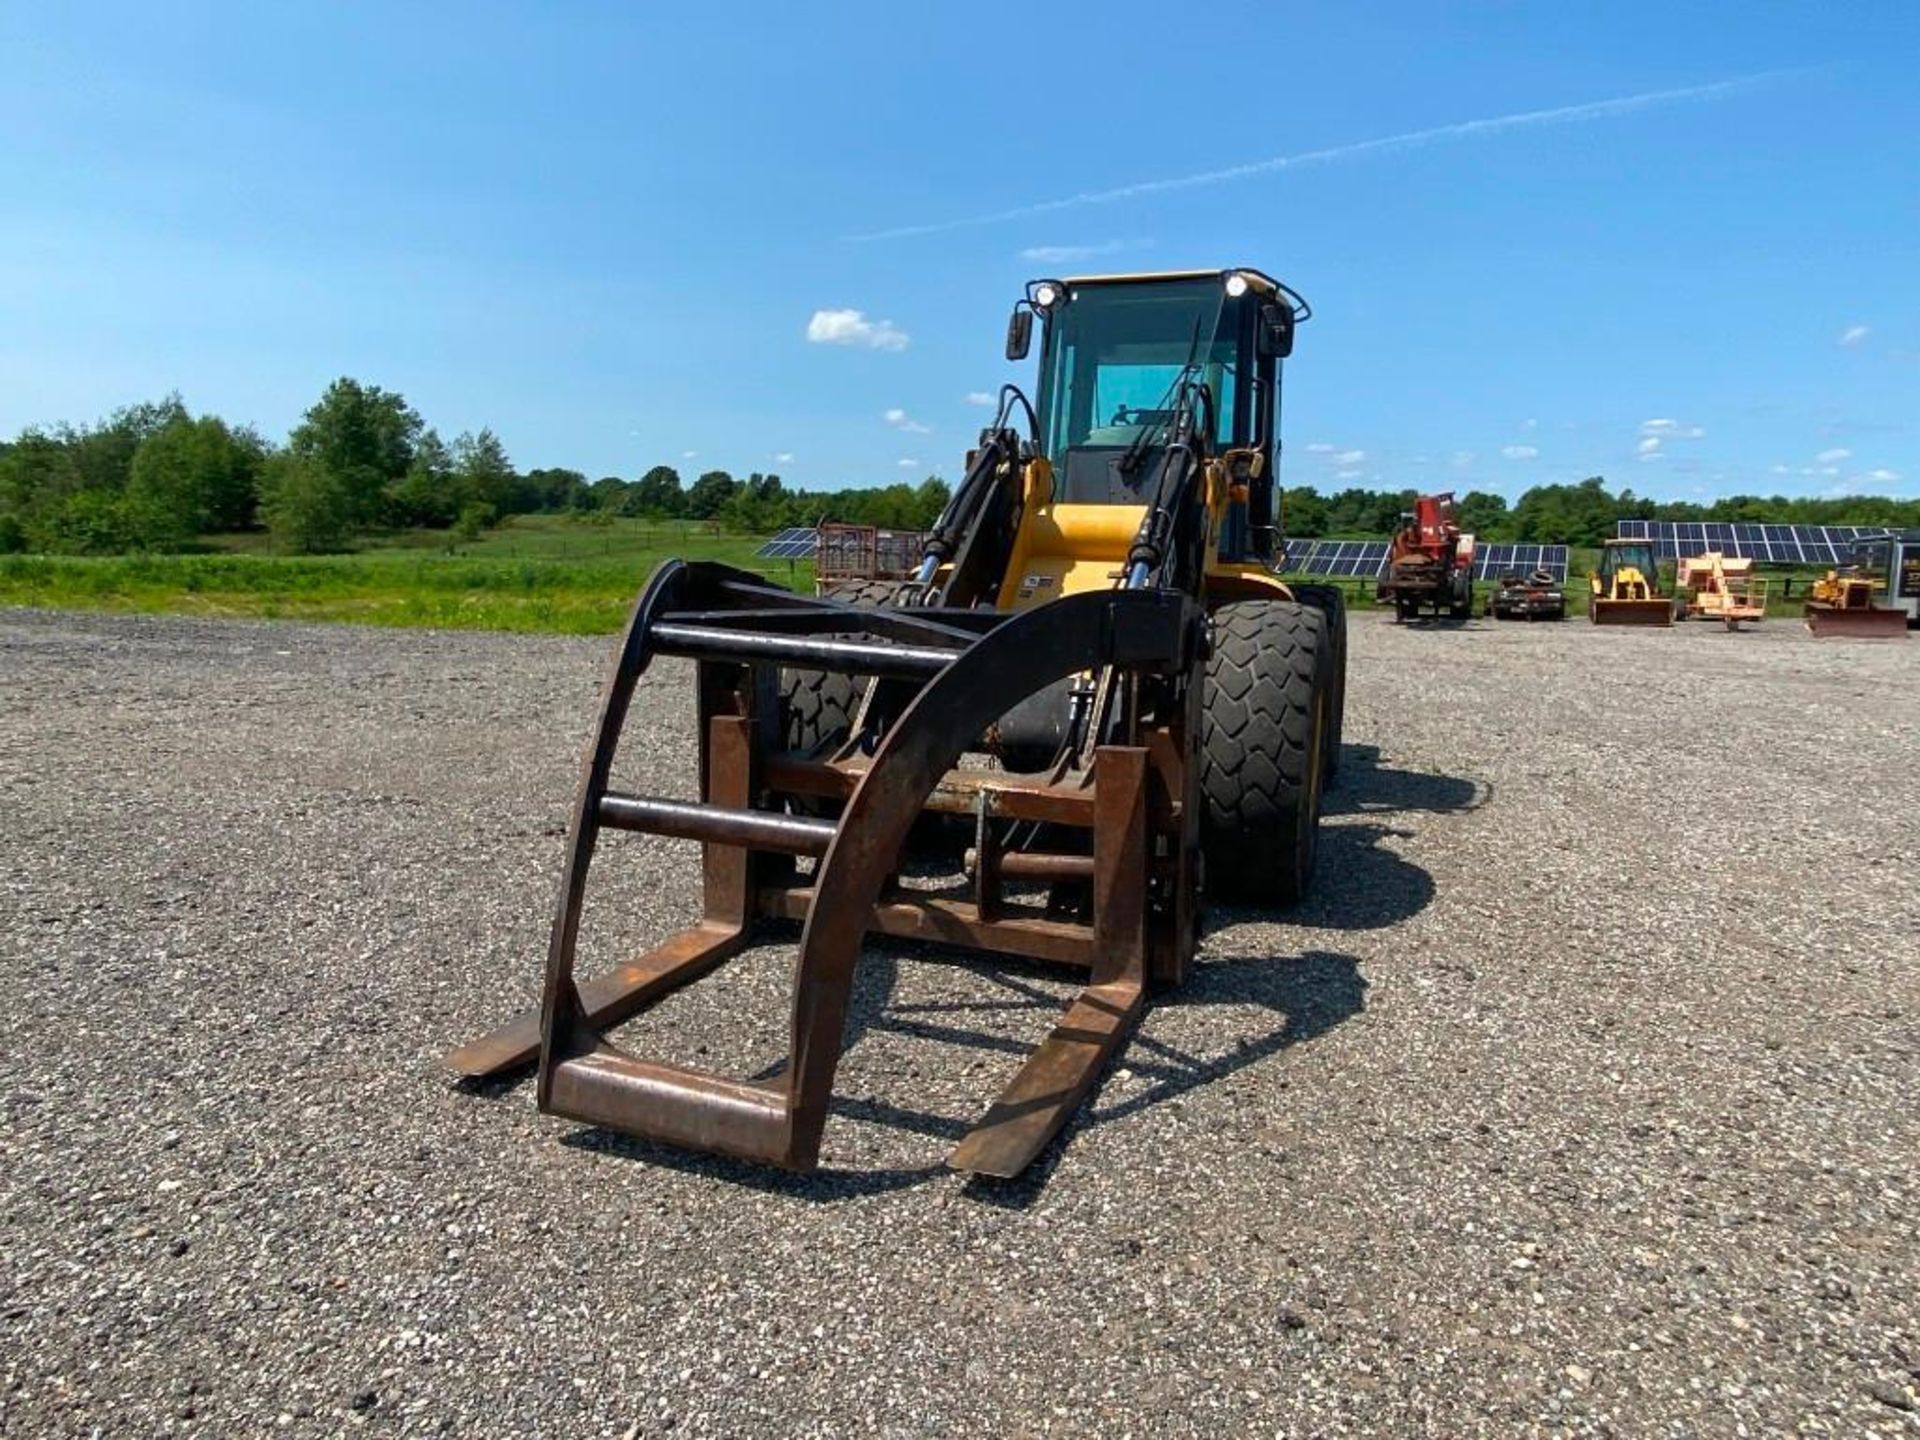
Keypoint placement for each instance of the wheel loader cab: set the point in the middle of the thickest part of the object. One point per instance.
(1129, 367)
(1117, 353)
(1627, 571)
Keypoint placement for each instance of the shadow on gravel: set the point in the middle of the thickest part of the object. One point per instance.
(1311, 995)
(822, 1187)
(1367, 787)
(1358, 885)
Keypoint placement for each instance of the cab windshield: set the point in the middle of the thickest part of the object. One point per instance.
(1116, 351)
(1615, 558)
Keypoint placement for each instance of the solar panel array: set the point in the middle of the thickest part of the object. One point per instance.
(1777, 544)
(1369, 557)
(798, 543)
(1490, 562)
(1336, 557)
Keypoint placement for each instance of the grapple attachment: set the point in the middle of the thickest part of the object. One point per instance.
(1110, 829)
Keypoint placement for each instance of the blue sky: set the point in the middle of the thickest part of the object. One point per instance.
(609, 230)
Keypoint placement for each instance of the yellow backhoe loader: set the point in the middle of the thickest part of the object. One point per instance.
(1626, 587)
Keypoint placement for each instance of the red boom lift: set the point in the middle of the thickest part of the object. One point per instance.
(1431, 563)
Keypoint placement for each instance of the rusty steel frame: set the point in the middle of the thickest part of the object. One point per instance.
(1133, 798)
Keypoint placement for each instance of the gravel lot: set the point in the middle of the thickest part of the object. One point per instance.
(1584, 1098)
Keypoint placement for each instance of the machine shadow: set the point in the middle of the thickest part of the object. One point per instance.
(1362, 886)
(1359, 884)
(1367, 787)
(1311, 994)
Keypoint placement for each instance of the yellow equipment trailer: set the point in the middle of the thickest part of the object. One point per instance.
(1720, 587)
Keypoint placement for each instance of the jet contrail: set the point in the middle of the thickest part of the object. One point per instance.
(1412, 139)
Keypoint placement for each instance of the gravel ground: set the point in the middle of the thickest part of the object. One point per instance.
(1580, 1100)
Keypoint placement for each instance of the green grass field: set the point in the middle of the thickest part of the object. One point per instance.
(537, 573)
(542, 573)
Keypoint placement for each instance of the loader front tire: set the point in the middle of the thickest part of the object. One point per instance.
(1262, 750)
(818, 706)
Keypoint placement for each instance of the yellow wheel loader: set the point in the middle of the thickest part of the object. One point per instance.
(1093, 675)
(1625, 590)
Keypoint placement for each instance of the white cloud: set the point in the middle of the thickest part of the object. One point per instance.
(1834, 456)
(1055, 254)
(1779, 470)
(785, 457)
(1672, 430)
(1853, 335)
(851, 327)
(981, 397)
(907, 464)
(1320, 447)
(1882, 476)
(1529, 424)
(1648, 445)
(1521, 452)
(1461, 459)
(1347, 474)
(689, 454)
(900, 420)
(1350, 457)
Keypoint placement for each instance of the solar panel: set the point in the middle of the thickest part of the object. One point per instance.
(799, 543)
(1776, 544)
(1337, 557)
(1490, 562)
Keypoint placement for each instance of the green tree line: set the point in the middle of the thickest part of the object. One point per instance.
(155, 477)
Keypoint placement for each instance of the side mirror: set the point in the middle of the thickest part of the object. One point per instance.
(1276, 331)
(1019, 333)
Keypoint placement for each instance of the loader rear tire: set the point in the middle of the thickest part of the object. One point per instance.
(1262, 750)
(1331, 604)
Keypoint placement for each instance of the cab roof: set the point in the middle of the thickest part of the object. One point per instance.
(1260, 280)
